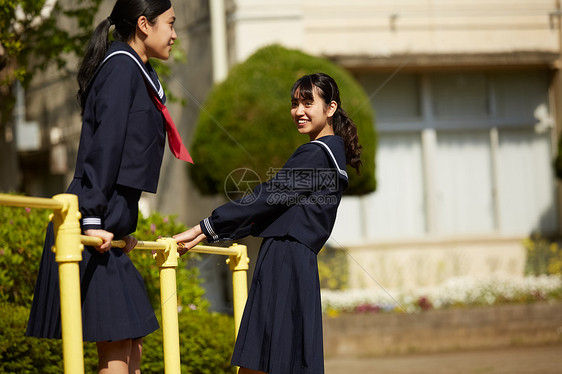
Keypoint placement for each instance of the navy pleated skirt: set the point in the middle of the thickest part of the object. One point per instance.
(281, 328)
(115, 305)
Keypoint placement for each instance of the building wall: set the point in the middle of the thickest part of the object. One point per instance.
(401, 52)
(387, 27)
(388, 45)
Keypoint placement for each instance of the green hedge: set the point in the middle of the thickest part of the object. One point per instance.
(25, 355)
(19, 354)
(206, 342)
(333, 268)
(544, 256)
(22, 232)
(246, 121)
(206, 339)
(187, 275)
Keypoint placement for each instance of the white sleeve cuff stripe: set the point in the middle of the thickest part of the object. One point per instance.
(210, 229)
(91, 221)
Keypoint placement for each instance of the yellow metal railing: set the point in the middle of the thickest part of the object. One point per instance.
(68, 247)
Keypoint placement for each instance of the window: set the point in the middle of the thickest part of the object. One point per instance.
(397, 97)
(459, 95)
(527, 199)
(518, 95)
(400, 189)
(458, 154)
(463, 188)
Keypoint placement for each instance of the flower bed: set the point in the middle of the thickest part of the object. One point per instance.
(456, 292)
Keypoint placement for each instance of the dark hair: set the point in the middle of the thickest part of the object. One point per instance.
(124, 16)
(343, 125)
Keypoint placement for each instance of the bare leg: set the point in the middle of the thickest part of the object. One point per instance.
(136, 355)
(113, 357)
(249, 371)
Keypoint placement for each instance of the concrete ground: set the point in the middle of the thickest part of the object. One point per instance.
(521, 360)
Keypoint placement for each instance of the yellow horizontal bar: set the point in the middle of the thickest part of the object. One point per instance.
(30, 202)
(215, 250)
(94, 241)
(147, 245)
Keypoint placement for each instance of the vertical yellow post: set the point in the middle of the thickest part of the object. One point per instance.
(68, 253)
(167, 262)
(239, 267)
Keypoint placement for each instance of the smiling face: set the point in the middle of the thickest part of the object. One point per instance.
(160, 36)
(311, 114)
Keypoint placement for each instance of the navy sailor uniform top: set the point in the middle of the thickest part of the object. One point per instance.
(300, 201)
(123, 133)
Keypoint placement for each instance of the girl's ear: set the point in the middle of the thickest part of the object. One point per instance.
(143, 25)
(332, 107)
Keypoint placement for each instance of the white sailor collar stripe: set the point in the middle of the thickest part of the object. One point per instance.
(159, 91)
(342, 172)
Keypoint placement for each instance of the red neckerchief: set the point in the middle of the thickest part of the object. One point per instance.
(174, 138)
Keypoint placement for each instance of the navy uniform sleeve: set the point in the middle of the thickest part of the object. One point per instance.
(113, 89)
(234, 220)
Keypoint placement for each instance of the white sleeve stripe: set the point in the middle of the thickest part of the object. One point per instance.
(88, 221)
(342, 172)
(210, 229)
(159, 91)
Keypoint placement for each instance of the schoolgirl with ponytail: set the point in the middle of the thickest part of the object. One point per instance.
(295, 211)
(327, 90)
(124, 125)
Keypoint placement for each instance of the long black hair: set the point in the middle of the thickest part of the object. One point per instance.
(343, 125)
(124, 16)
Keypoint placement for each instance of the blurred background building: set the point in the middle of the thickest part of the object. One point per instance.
(467, 101)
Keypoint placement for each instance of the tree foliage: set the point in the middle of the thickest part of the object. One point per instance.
(35, 34)
(246, 122)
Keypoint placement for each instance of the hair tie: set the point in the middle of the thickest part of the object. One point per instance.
(110, 21)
